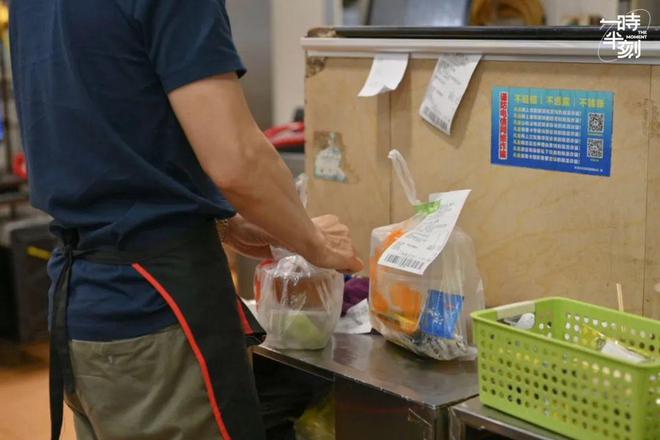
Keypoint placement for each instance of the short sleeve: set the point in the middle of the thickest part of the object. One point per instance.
(187, 40)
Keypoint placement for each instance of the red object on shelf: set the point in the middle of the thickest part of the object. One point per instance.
(286, 136)
(19, 166)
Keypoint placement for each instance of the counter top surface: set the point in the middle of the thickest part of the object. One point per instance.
(374, 362)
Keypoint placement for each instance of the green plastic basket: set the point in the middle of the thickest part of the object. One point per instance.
(551, 377)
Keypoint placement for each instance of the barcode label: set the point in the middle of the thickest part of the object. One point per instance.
(419, 246)
(435, 119)
(404, 262)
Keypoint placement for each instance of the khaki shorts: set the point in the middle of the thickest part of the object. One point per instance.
(147, 388)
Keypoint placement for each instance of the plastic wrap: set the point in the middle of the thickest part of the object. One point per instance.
(298, 304)
(428, 314)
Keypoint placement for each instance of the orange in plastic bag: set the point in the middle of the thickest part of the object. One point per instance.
(378, 302)
(409, 301)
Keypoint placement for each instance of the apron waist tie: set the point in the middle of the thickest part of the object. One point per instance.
(61, 370)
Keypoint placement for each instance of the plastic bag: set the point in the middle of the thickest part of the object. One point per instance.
(428, 314)
(318, 421)
(298, 304)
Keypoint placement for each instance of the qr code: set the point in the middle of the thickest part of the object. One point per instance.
(595, 148)
(596, 122)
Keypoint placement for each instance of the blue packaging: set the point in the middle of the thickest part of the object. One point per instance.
(441, 314)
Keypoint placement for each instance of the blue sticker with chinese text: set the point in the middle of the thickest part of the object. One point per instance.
(550, 129)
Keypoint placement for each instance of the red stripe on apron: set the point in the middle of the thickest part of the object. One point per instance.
(246, 324)
(193, 344)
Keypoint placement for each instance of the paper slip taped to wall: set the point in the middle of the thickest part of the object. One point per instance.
(386, 73)
(448, 84)
(418, 247)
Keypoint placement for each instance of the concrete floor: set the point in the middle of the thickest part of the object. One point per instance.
(24, 411)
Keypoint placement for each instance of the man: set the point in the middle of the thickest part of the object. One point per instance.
(133, 120)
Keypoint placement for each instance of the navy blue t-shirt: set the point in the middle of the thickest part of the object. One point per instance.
(105, 152)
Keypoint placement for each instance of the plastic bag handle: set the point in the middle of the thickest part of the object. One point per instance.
(405, 177)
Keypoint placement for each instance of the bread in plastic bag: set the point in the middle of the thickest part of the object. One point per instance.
(427, 314)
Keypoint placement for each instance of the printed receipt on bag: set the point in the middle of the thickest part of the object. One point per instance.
(448, 84)
(418, 247)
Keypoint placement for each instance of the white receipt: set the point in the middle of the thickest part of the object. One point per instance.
(418, 247)
(386, 73)
(356, 320)
(448, 84)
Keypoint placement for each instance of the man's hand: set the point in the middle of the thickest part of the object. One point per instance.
(335, 250)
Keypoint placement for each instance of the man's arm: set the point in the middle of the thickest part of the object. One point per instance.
(245, 166)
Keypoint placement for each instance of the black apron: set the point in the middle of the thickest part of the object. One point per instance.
(191, 274)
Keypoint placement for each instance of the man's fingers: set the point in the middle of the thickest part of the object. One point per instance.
(341, 252)
(353, 265)
(356, 265)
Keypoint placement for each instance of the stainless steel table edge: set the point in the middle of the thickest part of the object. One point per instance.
(275, 355)
(476, 415)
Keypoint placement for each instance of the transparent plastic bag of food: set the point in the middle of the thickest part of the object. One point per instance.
(428, 314)
(298, 304)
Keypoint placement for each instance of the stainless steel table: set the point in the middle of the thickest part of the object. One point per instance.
(469, 418)
(382, 391)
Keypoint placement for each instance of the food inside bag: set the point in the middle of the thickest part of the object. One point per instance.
(424, 281)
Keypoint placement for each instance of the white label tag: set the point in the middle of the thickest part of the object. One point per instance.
(386, 73)
(448, 84)
(417, 248)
